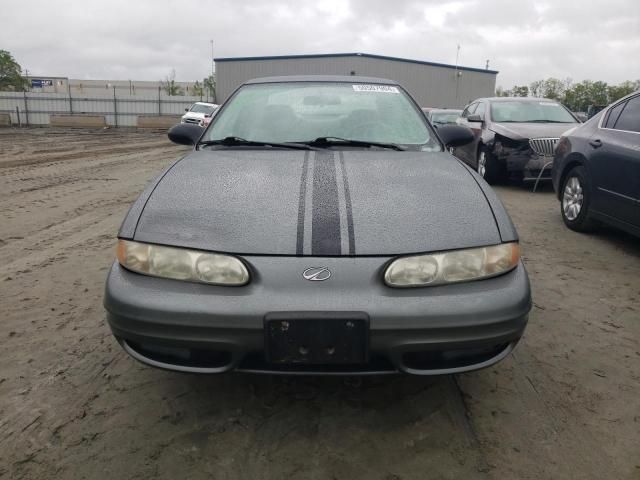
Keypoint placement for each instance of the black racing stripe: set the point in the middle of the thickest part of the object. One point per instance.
(347, 201)
(325, 222)
(301, 205)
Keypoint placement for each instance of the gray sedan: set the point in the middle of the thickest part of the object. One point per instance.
(318, 226)
(515, 137)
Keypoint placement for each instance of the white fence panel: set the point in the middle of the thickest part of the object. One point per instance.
(28, 108)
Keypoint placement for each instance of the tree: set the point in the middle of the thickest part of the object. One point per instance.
(575, 96)
(553, 88)
(616, 92)
(536, 88)
(549, 88)
(198, 90)
(170, 86)
(522, 91)
(581, 95)
(10, 73)
(210, 84)
(600, 93)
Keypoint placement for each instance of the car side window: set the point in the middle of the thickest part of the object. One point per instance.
(629, 118)
(469, 110)
(480, 110)
(614, 113)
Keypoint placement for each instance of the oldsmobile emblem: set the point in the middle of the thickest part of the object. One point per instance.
(316, 274)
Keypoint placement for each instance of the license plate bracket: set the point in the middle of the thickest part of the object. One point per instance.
(317, 338)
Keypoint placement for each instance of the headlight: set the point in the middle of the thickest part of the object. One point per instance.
(182, 264)
(452, 267)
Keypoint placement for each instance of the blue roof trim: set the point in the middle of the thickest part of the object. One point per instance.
(367, 55)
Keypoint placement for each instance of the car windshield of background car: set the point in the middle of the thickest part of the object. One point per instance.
(514, 111)
(197, 108)
(445, 117)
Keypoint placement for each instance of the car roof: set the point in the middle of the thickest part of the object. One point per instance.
(321, 78)
(205, 103)
(516, 99)
(445, 110)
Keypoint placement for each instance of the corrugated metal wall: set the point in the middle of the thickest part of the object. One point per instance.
(431, 86)
(35, 108)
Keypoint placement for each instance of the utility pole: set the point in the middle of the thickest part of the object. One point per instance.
(486, 67)
(457, 73)
(211, 82)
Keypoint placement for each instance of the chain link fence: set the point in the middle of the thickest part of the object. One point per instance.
(35, 109)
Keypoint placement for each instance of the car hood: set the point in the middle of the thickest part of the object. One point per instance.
(525, 131)
(320, 203)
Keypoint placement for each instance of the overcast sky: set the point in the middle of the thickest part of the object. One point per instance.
(144, 39)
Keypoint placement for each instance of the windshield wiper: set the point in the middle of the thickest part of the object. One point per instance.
(546, 121)
(331, 141)
(241, 142)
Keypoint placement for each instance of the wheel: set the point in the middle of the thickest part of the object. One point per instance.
(576, 199)
(489, 167)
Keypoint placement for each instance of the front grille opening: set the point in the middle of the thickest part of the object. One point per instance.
(436, 360)
(544, 146)
(256, 361)
(546, 174)
(182, 356)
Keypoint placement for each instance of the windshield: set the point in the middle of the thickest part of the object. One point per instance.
(527, 111)
(305, 111)
(198, 108)
(445, 117)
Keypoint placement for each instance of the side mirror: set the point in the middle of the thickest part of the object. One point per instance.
(455, 135)
(207, 115)
(186, 109)
(474, 118)
(185, 133)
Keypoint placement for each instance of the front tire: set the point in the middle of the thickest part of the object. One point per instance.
(489, 167)
(576, 201)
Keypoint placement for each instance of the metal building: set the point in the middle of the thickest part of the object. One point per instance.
(79, 87)
(431, 84)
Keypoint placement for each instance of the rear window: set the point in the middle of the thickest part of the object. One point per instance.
(614, 113)
(629, 118)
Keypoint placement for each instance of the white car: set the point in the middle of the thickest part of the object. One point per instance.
(207, 118)
(197, 112)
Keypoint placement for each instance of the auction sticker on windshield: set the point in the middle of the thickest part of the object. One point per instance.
(376, 88)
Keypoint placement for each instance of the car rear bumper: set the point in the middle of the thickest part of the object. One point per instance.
(199, 328)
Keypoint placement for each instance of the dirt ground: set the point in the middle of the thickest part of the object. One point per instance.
(565, 405)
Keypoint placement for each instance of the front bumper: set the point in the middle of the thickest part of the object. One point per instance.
(529, 164)
(208, 329)
(193, 120)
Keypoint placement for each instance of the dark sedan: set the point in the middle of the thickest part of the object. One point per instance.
(596, 170)
(319, 225)
(514, 137)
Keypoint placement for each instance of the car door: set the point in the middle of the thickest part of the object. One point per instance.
(467, 153)
(615, 162)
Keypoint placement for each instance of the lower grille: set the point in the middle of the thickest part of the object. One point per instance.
(191, 120)
(544, 146)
